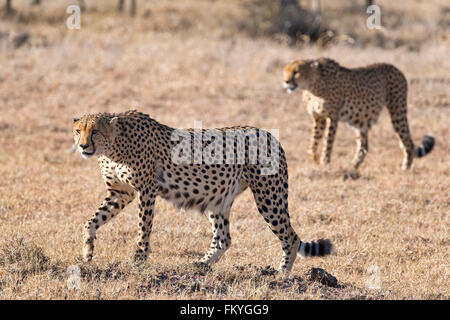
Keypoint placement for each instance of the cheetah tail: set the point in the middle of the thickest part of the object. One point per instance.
(317, 248)
(426, 146)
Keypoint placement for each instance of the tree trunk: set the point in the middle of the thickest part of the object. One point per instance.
(120, 7)
(82, 5)
(133, 7)
(8, 6)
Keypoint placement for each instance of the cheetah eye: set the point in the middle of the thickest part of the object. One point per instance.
(94, 132)
(78, 131)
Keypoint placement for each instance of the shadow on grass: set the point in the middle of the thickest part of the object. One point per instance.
(20, 259)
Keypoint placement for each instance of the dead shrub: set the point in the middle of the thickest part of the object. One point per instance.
(21, 257)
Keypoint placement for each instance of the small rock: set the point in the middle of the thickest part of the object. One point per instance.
(320, 275)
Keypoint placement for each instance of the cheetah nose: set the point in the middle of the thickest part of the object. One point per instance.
(84, 146)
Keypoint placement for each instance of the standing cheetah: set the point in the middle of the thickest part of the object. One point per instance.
(355, 96)
(140, 157)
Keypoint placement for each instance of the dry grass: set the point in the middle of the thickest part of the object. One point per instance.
(397, 221)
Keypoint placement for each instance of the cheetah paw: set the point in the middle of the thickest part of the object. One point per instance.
(87, 257)
(350, 174)
(324, 161)
(314, 156)
(88, 252)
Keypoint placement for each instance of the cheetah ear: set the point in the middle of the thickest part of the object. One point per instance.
(114, 127)
(315, 64)
(75, 120)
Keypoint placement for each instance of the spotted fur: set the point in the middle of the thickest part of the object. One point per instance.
(135, 157)
(333, 93)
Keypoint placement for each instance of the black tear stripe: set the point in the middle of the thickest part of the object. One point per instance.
(93, 145)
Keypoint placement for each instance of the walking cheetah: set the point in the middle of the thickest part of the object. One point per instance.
(333, 93)
(140, 157)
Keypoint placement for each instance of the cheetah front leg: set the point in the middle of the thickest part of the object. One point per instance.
(221, 239)
(332, 123)
(362, 147)
(316, 136)
(146, 212)
(116, 199)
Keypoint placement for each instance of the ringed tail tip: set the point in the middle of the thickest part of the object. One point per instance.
(317, 248)
(426, 146)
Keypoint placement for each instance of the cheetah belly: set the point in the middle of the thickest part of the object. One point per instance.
(359, 118)
(187, 191)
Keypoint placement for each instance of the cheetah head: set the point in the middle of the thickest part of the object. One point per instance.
(299, 74)
(94, 134)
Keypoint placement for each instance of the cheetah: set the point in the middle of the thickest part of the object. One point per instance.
(333, 93)
(139, 157)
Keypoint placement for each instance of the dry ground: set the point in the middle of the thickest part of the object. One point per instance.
(392, 220)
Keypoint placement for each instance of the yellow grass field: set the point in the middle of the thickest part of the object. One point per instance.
(185, 61)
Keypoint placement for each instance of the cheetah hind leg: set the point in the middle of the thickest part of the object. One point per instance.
(397, 111)
(273, 206)
(362, 147)
(350, 174)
